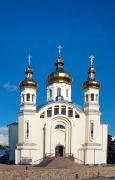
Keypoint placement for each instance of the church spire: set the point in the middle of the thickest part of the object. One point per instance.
(59, 62)
(29, 70)
(91, 72)
(91, 90)
(59, 82)
(91, 82)
(28, 88)
(28, 82)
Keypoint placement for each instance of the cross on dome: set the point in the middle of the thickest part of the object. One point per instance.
(91, 59)
(59, 49)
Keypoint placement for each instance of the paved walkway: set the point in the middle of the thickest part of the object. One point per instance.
(56, 169)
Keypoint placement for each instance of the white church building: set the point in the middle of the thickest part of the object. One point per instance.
(59, 127)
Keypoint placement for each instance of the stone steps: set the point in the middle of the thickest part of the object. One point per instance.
(59, 162)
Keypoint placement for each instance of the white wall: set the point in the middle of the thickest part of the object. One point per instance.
(43, 137)
(13, 139)
(63, 87)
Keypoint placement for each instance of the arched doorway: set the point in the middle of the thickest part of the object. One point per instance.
(59, 151)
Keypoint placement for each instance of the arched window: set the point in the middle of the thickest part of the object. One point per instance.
(67, 92)
(92, 129)
(28, 97)
(87, 98)
(59, 126)
(23, 97)
(27, 129)
(96, 97)
(50, 94)
(33, 98)
(92, 97)
(58, 91)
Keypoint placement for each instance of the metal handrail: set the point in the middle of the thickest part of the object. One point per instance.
(79, 160)
(47, 156)
(71, 156)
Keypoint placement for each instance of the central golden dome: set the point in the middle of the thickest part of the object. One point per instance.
(59, 75)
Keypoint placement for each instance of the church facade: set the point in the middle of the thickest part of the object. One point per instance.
(60, 127)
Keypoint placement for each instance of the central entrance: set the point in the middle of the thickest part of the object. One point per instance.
(59, 151)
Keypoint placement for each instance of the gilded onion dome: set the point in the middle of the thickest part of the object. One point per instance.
(59, 75)
(28, 81)
(91, 82)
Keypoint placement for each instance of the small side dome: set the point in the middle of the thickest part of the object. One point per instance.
(91, 82)
(28, 82)
(59, 75)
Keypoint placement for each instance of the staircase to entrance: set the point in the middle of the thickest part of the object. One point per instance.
(57, 162)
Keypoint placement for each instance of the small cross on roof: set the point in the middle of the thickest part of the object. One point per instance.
(59, 49)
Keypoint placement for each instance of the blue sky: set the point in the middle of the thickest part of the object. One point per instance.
(82, 27)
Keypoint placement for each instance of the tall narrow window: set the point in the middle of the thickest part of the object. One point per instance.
(63, 110)
(86, 97)
(23, 97)
(96, 97)
(58, 91)
(66, 92)
(50, 92)
(27, 129)
(56, 110)
(70, 112)
(28, 97)
(92, 97)
(49, 112)
(92, 129)
(33, 98)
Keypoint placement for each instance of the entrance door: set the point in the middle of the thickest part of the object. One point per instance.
(59, 151)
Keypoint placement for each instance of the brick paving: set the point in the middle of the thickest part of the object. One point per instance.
(57, 169)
